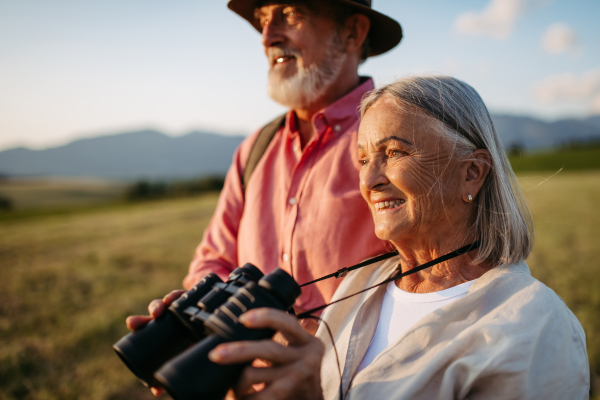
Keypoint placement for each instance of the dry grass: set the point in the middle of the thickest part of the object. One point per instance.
(567, 249)
(35, 193)
(68, 284)
(69, 281)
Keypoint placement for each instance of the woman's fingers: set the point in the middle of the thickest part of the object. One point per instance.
(247, 351)
(277, 320)
(251, 376)
(295, 369)
(281, 383)
(310, 325)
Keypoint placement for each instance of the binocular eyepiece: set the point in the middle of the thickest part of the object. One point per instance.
(163, 352)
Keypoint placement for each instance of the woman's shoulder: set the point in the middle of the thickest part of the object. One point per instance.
(520, 324)
(515, 284)
(510, 294)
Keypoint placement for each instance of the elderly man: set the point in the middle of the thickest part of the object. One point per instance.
(302, 206)
(300, 209)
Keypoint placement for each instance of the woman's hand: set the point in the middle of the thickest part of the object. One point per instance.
(294, 371)
(155, 309)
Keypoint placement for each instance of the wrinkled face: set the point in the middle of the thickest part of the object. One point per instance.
(303, 49)
(408, 176)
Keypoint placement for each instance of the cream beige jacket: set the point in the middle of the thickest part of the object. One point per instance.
(510, 337)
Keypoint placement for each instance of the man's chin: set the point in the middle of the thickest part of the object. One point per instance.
(279, 74)
(297, 89)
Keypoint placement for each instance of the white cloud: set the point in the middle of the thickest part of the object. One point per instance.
(496, 20)
(560, 38)
(571, 88)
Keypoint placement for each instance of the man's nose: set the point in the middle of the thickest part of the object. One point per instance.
(272, 34)
(373, 175)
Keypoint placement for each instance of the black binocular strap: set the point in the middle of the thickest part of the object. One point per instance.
(342, 272)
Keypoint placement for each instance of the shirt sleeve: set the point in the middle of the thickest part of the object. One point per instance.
(218, 250)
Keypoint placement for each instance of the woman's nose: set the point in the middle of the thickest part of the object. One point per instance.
(373, 175)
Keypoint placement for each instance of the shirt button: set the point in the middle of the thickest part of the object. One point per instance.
(337, 128)
(286, 257)
(292, 200)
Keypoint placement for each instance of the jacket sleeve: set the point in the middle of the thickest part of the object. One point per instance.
(218, 250)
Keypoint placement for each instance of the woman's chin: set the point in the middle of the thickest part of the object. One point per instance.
(385, 233)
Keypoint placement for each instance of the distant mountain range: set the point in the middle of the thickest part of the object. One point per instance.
(533, 134)
(153, 155)
(132, 155)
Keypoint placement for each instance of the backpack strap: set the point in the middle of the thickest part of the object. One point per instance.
(265, 136)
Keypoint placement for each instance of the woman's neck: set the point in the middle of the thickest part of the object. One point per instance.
(441, 276)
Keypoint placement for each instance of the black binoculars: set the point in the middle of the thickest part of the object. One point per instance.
(163, 353)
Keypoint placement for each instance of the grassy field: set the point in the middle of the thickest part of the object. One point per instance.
(69, 281)
(51, 194)
(575, 159)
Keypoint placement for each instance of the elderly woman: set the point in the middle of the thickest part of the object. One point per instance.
(477, 326)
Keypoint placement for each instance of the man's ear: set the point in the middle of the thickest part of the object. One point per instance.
(476, 169)
(356, 30)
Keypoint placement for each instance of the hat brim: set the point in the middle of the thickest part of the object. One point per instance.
(385, 33)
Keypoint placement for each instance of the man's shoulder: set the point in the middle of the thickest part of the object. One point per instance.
(245, 147)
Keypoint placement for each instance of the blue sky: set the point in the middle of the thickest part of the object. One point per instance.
(72, 68)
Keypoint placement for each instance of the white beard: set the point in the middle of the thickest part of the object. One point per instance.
(308, 84)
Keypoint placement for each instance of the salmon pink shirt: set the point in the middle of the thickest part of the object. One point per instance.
(302, 210)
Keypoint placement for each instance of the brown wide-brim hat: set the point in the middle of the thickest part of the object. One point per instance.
(384, 34)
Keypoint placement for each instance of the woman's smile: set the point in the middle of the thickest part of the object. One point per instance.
(387, 205)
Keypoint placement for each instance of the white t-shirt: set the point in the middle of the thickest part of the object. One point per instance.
(401, 310)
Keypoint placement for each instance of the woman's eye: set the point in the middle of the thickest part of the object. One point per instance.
(362, 162)
(394, 153)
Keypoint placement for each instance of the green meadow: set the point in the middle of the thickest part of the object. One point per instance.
(573, 159)
(70, 279)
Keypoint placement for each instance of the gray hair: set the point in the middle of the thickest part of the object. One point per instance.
(503, 224)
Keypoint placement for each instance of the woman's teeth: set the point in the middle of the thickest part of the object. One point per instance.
(388, 204)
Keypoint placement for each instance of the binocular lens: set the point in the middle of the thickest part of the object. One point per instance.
(146, 349)
(281, 285)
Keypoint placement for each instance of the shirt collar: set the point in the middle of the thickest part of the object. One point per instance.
(345, 111)
(339, 115)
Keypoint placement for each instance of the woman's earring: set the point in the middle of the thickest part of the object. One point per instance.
(470, 198)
